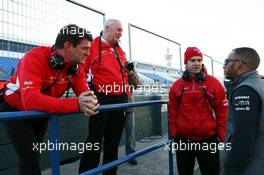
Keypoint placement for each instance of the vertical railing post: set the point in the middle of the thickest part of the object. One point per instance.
(171, 147)
(55, 157)
(180, 54)
(103, 19)
(212, 63)
(129, 42)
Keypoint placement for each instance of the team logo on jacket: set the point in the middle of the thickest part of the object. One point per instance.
(242, 103)
(27, 82)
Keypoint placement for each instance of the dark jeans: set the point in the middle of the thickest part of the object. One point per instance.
(105, 129)
(130, 133)
(208, 159)
(23, 133)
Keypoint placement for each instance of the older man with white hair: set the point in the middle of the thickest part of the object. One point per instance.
(109, 80)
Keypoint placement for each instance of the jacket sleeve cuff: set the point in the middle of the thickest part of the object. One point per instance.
(74, 104)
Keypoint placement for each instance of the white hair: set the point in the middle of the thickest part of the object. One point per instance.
(110, 22)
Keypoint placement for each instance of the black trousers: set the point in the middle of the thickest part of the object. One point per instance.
(105, 129)
(23, 133)
(208, 159)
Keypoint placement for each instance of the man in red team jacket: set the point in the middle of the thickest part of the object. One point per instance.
(42, 77)
(110, 82)
(197, 114)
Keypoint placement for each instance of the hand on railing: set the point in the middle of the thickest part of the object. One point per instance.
(88, 103)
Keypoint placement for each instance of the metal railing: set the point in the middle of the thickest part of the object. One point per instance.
(130, 26)
(54, 134)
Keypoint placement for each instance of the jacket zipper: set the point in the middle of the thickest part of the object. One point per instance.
(193, 88)
(193, 85)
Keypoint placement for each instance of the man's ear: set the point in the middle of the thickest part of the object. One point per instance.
(240, 65)
(67, 45)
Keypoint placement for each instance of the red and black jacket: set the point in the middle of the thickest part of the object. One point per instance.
(30, 87)
(191, 109)
(106, 69)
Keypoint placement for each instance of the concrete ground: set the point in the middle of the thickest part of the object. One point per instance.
(153, 163)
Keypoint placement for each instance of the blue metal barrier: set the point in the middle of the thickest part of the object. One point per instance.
(126, 158)
(55, 156)
(54, 134)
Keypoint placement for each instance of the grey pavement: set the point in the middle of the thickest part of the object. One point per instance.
(153, 163)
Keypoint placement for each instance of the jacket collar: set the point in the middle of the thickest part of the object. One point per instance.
(244, 76)
(232, 84)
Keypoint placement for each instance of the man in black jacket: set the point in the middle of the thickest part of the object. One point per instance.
(245, 130)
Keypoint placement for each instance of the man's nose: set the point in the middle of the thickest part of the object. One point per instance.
(87, 52)
(196, 62)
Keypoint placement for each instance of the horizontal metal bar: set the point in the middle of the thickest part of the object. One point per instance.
(102, 108)
(218, 62)
(84, 6)
(22, 115)
(126, 158)
(155, 34)
(208, 56)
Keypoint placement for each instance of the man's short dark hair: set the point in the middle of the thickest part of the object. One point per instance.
(249, 56)
(72, 34)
